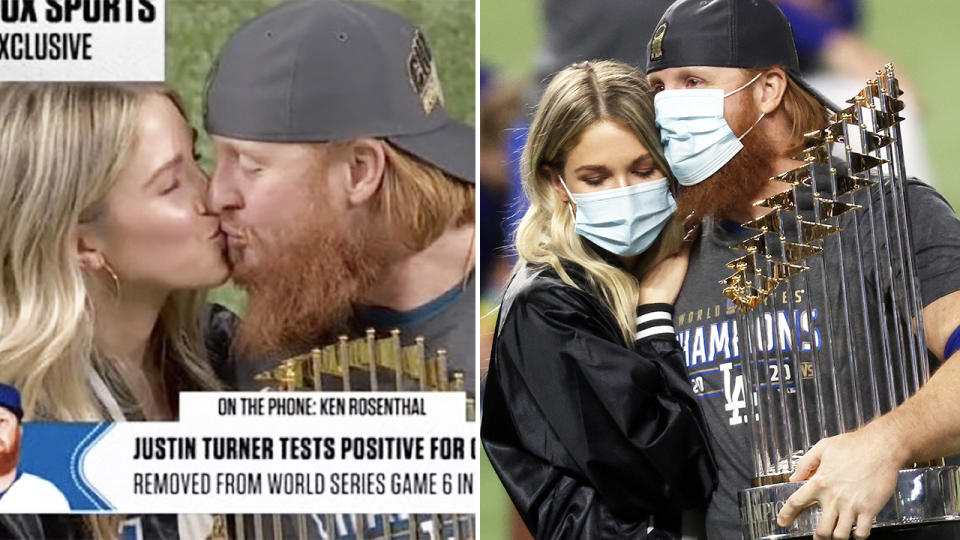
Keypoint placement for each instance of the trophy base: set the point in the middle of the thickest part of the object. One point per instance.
(924, 495)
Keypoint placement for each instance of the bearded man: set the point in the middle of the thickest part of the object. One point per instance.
(345, 191)
(347, 197)
(21, 491)
(730, 67)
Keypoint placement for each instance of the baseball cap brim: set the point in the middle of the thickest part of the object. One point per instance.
(17, 411)
(449, 147)
(824, 100)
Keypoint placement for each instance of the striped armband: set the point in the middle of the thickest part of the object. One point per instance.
(655, 320)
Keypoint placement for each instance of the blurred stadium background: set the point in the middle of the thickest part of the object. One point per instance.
(196, 29)
(915, 36)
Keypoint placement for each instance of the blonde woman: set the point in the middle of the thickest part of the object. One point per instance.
(106, 247)
(588, 417)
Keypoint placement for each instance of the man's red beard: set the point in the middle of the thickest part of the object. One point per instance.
(10, 456)
(737, 184)
(303, 290)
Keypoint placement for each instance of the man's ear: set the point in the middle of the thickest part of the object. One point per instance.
(89, 253)
(772, 86)
(368, 162)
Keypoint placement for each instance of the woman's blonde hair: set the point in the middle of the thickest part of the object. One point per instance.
(577, 97)
(62, 147)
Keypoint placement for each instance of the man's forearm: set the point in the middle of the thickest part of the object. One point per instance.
(919, 426)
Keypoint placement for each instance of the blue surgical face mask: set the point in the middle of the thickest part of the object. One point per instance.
(626, 220)
(696, 139)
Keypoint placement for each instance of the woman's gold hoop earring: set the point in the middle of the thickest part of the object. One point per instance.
(113, 275)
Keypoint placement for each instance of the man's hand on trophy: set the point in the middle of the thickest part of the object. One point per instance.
(851, 477)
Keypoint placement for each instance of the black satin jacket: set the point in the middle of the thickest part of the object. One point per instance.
(590, 438)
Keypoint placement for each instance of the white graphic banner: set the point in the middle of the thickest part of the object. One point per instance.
(82, 40)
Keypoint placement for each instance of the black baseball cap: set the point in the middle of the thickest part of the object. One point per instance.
(727, 33)
(328, 70)
(10, 400)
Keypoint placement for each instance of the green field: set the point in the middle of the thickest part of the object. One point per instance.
(196, 29)
(915, 35)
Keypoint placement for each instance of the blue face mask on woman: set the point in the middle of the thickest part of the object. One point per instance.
(624, 221)
(696, 138)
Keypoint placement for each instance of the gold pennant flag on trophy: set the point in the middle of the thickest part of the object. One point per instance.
(736, 280)
(764, 284)
(794, 252)
(885, 77)
(769, 222)
(864, 97)
(875, 141)
(816, 231)
(850, 115)
(819, 136)
(893, 105)
(754, 244)
(861, 162)
(743, 263)
(781, 270)
(816, 154)
(831, 209)
(848, 184)
(783, 201)
(886, 120)
(796, 177)
(733, 293)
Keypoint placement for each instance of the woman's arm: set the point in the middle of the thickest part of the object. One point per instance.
(626, 418)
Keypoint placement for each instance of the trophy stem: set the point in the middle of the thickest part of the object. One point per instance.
(914, 357)
(776, 383)
(814, 350)
(828, 323)
(838, 405)
(793, 370)
(769, 455)
(818, 386)
(884, 228)
(913, 309)
(872, 379)
(765, 403)
(750, 391)
(819, 268)
(889, 90)
(852, 353)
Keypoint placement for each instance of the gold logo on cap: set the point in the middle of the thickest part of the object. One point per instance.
(423, 73)
(656, 45)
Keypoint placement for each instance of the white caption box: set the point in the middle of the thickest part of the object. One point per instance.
(118, 51)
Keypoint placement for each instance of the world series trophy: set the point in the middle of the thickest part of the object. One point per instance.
(830, 316)
(373, 364)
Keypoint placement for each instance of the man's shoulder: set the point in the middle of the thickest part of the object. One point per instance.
(918, 188)
(920, 195)
(35, 482)
(38, 491)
